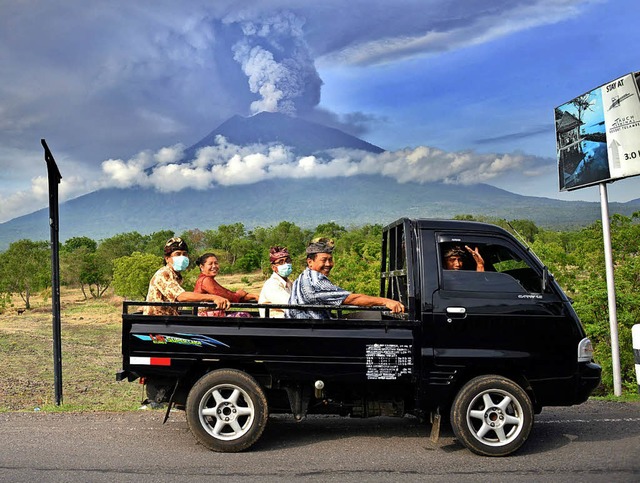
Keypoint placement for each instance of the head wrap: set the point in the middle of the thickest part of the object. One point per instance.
(320, 245)
(278, 252)
(454, 251)
(174, 244)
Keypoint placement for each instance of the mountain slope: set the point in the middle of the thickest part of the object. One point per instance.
(347, 201)
(268, 127)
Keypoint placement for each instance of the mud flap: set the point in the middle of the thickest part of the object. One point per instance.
(435, 426)
(170, 405)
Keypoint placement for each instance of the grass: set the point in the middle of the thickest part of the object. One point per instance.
(91, 355)
(91, 352)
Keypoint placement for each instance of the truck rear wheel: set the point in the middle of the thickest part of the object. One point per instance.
(492, 416)
(226, 410)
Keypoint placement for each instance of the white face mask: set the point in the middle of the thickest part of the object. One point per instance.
(180, 263)
(284, 270)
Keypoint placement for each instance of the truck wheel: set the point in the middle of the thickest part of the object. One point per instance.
(492, 416)
(226, 410)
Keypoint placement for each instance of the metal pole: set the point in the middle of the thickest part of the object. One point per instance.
(611, 291)
(54, 180)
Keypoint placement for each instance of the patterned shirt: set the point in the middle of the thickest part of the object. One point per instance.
(313, 288)
(276, 290)
(165, 286)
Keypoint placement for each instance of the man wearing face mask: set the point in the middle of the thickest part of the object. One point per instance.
(166, 283)
(277, 289)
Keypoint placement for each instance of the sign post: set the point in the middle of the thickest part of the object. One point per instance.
(54, 180)
(598, 141)
(611, 292)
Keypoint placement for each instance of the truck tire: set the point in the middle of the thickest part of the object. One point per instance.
(226, 410)
(492, 416)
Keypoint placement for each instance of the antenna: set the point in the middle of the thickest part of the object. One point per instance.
(520, 237)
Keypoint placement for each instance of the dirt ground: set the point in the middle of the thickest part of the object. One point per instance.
(91, 351)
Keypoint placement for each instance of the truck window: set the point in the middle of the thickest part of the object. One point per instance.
(504, 269)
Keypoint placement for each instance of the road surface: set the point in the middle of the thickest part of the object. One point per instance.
(597, 441)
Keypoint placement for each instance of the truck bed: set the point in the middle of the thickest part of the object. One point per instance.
(340, 350)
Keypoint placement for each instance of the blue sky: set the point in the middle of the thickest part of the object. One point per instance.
(456, 90)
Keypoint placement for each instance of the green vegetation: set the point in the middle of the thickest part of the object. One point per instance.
(103, 272)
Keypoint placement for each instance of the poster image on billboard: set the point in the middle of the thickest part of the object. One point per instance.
(598, 135)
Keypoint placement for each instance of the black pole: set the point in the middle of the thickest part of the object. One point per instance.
(54, 181)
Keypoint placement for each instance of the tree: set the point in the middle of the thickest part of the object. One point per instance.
(582, 104)
(76, 242)
(284, 234)
(25, 268)
(131, 274)
(123, 244)
(154, 243)
(357, 256)
(330, 230)
(525, 228)
(196, 240)
(96, 272)
(228, 238)
(71, 266)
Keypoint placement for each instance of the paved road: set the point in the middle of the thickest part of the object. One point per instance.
(598, 441)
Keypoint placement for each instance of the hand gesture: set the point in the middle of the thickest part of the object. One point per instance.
(475, 253)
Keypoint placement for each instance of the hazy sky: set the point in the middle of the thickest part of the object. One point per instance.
(458, 91)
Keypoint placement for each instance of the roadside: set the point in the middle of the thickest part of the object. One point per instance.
(91, 352)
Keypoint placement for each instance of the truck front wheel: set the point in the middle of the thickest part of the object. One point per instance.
(492, 415)
(226, 410)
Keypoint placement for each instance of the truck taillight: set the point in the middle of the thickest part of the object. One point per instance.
(585, 350)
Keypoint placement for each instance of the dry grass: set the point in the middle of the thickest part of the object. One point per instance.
(91, 352)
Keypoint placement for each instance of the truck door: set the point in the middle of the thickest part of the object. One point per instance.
(499, 320)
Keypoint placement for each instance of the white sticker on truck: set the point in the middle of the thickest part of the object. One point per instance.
(388, 361)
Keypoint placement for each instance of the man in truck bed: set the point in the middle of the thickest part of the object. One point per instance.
(313, 286)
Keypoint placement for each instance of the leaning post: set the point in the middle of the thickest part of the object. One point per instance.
(54, 180)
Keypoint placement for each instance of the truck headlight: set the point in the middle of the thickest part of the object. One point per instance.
(585, 350)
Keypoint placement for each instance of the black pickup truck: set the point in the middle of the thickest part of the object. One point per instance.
(489, 349)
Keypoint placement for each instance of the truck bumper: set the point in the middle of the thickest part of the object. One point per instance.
(575, 389)
(588, 379)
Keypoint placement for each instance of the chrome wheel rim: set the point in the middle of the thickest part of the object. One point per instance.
(495, 417)
(226, 412)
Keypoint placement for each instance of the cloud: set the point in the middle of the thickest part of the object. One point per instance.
(419, 28)
(224, 164)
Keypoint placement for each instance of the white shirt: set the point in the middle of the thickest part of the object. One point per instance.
(276, 290)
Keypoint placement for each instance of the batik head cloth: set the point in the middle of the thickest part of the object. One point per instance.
(455, 251)
(320, 245)
(277, 252)
(174, 244)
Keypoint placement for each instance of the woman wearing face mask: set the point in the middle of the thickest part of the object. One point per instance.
(207, 284)
(277, 289)
(166, 283)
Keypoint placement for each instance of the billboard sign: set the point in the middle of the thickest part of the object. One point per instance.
(598, 135)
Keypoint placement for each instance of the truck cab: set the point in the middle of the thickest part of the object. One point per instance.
(511, 320)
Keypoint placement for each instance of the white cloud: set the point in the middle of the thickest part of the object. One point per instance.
(225, 164)
(429, 33)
